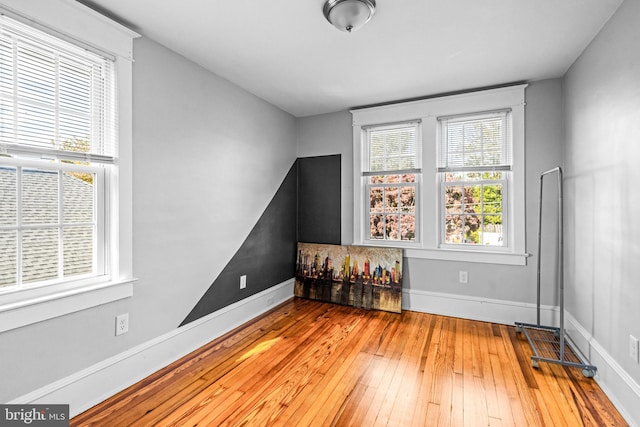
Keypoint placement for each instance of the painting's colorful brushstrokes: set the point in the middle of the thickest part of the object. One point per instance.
(363, 277)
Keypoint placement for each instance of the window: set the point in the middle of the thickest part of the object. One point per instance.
(392, 181)
(56, 119)
(474, 166)
(65, 164)
(457, 192)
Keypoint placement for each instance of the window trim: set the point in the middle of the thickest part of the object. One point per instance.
(71, 21)
(428, 111)
(367, 174)
(505, 116)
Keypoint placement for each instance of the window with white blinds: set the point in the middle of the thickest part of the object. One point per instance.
(57, 100)
(57, 150)
(474, 163)
(392, 178)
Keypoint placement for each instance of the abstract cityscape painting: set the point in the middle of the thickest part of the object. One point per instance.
(359, 276)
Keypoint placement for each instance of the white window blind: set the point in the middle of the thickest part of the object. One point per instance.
(475, 143)
(57, 100)
(392, 182)
(474, 162)
(393, 148)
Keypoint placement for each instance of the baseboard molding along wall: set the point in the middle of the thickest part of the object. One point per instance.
(91, 386)
(617, 384)
(476, 308)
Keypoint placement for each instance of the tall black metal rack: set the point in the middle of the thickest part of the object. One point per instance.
(549, 343)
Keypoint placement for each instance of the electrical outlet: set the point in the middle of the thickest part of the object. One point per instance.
(463, 277)
(633, 348)
(243, 281)
(122, 324)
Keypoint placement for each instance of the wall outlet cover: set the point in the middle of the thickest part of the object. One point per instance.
(463, 277)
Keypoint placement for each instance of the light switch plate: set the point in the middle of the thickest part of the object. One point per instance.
(633, 348)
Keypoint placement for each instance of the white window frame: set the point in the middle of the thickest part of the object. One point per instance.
(75, 23)
(366, 175)
(506, 119)
(428, 111)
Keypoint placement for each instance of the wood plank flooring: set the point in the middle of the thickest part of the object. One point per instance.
(308, 363)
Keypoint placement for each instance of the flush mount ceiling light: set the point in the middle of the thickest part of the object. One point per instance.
(349, 15)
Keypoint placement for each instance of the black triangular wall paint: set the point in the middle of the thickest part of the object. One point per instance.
(267, 257)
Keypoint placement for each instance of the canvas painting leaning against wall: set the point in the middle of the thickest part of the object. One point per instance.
(359, 276)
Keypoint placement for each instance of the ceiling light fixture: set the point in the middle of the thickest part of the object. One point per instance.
(349, 15)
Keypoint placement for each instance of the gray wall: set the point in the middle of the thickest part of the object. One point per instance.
(602, 110)
(332, 134)
(208, 158)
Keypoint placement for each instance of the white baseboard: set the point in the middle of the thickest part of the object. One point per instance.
(475, 308)
(616, 383)
(92, 385)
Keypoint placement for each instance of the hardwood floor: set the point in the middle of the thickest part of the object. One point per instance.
(310, 363)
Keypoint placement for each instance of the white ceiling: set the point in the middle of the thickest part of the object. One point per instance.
(285, 52)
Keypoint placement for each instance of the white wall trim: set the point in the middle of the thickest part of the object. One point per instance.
(74, 22)
(505, 258)
(92, 385)
(477, 308)
(16, 314)
(616, 383)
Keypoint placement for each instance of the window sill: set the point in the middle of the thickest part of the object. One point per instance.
(468, 256)
(36, 306)
(390, 244)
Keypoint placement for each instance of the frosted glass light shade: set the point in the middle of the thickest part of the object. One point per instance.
(349, 15)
